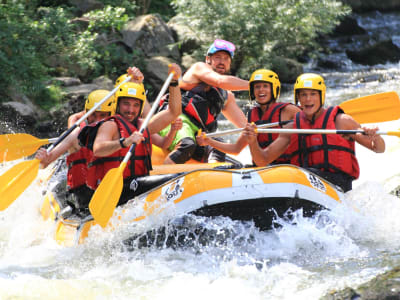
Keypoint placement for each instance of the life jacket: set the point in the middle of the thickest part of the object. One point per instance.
(271, 115)
(77, 166)
(202, 105)
(138, 165)
(326, 152)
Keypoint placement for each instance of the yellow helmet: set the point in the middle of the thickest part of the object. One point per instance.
(120, 79)
(310, 81)
(265, 76)
(131, 90)
(96, 96)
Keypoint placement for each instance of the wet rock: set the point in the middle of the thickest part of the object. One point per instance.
(328, 64)
(348, 26)
(384, 286)
(370, 5)
(288, 68)
(379, 53)
(17, 116)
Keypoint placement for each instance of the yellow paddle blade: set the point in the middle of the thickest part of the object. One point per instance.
(19, 145)
(374, 108)
(14, 181)
(394, 133)
(106, 196)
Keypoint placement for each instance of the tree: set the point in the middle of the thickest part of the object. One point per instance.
(261, 29)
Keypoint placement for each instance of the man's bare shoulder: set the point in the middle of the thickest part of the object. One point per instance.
(108, 125)
(345, 121)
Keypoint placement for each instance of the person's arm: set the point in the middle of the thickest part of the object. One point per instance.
(136, 75)
(233, 112)
(263, 157)
(107, 139)
(229, 148)
(70, 143)
(165, 141)
(162, 119)
(72, 119)
(204, 73)
(369, 139)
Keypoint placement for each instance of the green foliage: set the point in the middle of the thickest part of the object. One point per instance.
(261, 29)
(38, 41)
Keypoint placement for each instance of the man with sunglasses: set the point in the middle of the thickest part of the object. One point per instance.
(207, 91)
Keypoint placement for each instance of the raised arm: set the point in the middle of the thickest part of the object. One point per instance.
(202, 72)
(164, 118)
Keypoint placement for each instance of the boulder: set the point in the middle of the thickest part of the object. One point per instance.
(151, 35)
(17, 116)
(156, 73)
(348, 26)
(370, 5)
(188, 39)
(287, 69)
(379, 53)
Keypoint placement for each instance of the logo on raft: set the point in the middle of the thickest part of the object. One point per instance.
(173, 191)
(316, 182)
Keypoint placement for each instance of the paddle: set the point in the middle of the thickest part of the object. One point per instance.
(381, 107)
(238, 130)
(15, 180)
(107, 194)
(375, 108)
(324, 131)
(18, 145)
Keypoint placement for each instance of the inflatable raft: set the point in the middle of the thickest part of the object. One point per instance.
(245, 194)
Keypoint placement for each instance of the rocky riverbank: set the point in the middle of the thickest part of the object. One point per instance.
(160, 40)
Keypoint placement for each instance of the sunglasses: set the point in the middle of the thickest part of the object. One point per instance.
(224, 45)
(221, 45)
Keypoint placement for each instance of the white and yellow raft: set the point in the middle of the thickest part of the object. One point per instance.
(257, 194)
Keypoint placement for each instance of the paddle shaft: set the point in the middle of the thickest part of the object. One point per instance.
(321, 131)
(88, 113)
(148, 117)
(238, 130)
(375, 108)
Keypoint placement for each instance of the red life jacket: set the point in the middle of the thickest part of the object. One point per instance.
(138, 165)
(326, 152)
(77, 166)
(271, 115)
(203, 104)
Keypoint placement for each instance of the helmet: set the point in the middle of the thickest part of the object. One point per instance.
(120, 79)
(265, 76)
(131, 90)
(96, 96)
(310, 81)
(221, 45)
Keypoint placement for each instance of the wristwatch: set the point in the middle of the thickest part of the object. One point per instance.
(121, 142)
(174, 83)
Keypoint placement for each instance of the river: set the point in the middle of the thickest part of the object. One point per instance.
(303, 259)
